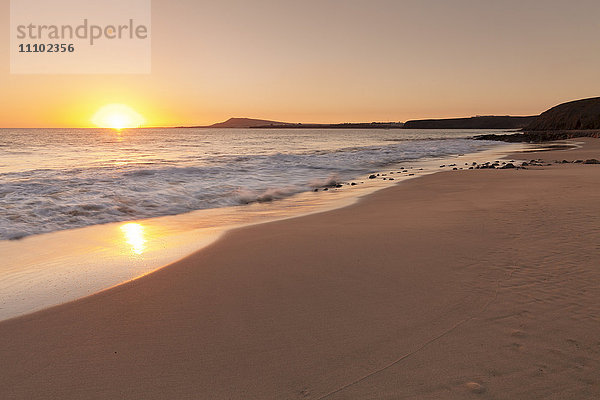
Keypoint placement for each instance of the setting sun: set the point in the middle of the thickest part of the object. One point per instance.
(117, 116)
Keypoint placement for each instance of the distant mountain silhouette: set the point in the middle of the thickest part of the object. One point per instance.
(244, 123)
(479, 122)
(573, 119)
(574, 115)
(249, 123)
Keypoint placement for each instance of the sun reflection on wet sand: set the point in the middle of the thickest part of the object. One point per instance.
(134, 236)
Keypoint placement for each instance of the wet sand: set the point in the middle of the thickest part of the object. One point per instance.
(462, 284)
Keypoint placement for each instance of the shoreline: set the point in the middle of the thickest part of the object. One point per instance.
(73, 264)
(462, 283)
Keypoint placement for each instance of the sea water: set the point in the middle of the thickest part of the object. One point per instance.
(55, 179)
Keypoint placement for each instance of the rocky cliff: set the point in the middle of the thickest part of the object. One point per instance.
(481, 122)
(577, 115)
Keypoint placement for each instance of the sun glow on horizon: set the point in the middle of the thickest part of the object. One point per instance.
(117, 117)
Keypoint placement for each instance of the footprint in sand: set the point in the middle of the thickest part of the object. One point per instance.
(475, 387)
(518, 333)
(517, 346)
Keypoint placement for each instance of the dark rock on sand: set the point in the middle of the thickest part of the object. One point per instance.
(592, 161)
(537, 137)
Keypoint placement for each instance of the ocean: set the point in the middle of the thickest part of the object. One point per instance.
(57, 179)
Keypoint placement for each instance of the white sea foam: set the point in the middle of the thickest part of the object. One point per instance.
(61, 179)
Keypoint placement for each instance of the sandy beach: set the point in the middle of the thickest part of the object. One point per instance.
(462, 284)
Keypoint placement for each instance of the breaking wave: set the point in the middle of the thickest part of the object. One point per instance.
(94, 184)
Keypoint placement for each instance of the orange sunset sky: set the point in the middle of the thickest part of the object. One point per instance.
(331, 61)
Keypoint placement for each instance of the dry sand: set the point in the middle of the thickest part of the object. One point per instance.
(463, 284)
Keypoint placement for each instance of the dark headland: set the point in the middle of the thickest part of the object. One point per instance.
(250, 123)
(478, 122)
(246, 123)
(580, 118)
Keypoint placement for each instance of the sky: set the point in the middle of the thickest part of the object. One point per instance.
(331, 61)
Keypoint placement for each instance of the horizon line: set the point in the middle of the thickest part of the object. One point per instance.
(199, 126)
